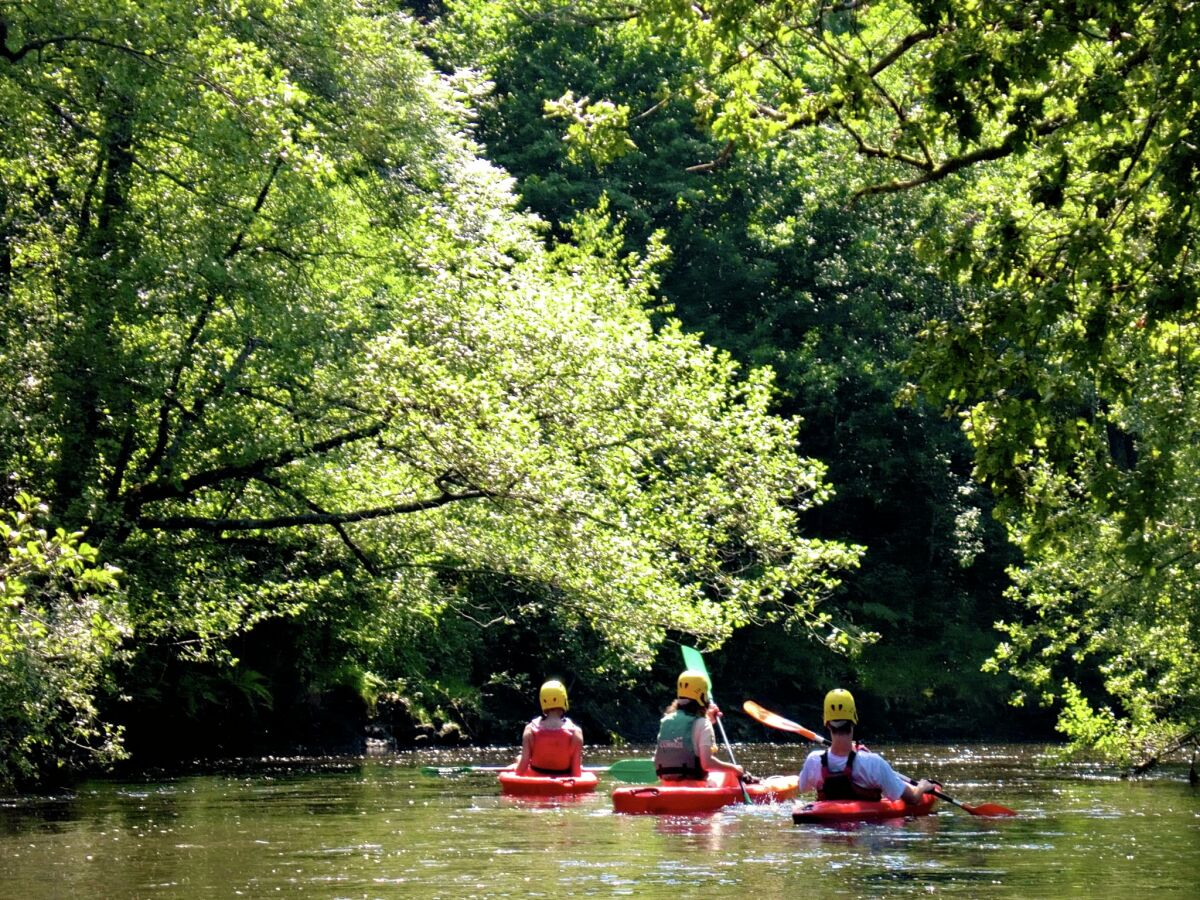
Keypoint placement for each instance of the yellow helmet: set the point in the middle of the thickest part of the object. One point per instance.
(554, 696)
(839, 704)
(693, 685)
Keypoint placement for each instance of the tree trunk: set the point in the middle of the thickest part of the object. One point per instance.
(89, 381)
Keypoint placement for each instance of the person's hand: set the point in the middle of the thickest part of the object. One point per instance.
(925, 786)
(713, 712)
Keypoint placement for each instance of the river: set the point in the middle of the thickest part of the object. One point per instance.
(376, 827)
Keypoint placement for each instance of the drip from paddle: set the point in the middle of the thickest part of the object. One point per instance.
(774, 720)
(693, 660)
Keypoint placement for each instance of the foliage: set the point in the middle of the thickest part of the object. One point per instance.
(773, 261)
(597, 131)
(61, 620)
(282, 346)
(1071, 362)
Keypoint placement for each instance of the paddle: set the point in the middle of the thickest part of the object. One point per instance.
(635, 771)
(693, 660)
(774, 720)
(460, 770)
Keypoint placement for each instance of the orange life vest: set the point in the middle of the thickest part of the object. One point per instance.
(552, 748)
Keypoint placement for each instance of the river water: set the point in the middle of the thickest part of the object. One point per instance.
(376, 827)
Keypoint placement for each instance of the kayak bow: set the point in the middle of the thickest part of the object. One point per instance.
(860, 810)
(514, 785)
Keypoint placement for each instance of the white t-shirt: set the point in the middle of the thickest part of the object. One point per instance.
(870, 771)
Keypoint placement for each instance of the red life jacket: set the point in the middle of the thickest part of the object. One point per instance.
(840, 785)
(552, 748)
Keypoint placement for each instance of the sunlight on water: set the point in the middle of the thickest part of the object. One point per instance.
(379, 828)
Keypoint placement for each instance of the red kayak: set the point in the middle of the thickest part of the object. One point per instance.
(514, 785)
(860, 810)
(700, 796)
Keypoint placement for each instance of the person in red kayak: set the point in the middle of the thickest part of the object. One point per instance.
(848, 771)
(685, 734)
(552, 744)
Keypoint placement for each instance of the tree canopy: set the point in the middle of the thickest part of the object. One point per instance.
(277, 334)
(1066, 136)
(772, 260)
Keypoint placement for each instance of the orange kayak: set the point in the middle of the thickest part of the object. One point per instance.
(860, 810)
(514, 785)
(700, 796)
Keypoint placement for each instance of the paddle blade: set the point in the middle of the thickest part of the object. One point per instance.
(982, 809)
(693, 660)
(774, 720)
(440, 771)
(633, 771)
(988, 809)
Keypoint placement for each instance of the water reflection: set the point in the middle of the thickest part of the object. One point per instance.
(706, 833)
(378, 828)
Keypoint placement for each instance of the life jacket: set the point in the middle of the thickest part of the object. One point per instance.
(840, 785)
(675, 755)
(551, 749)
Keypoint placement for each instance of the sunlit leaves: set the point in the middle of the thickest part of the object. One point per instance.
(595, 131)
(60, 623)
(285, 337)
(1076, 227)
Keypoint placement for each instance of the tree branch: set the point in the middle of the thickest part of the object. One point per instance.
(956, 164)
(816, 118)
(259, 201)
(60, 39)
(170, 396)
(1179, 743)
(165, 490)
(865, 149)
(21, 52)
(906, 43)
(200, 523)
(723, 158)
(337, 526)
(193, 415)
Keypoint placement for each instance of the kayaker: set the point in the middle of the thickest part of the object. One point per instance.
(552, 744)
(848, 771)
(685, 734)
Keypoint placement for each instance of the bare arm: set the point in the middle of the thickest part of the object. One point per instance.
(526, 751)
(704, 747)
(577, 752)
(914, 792)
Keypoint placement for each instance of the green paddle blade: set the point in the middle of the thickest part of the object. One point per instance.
(693, 660)
(634, 771)
(445, 770)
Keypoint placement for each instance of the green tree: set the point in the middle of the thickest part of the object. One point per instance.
(60, 623)
(773, 261)
(1071, 364)
(279, 344)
